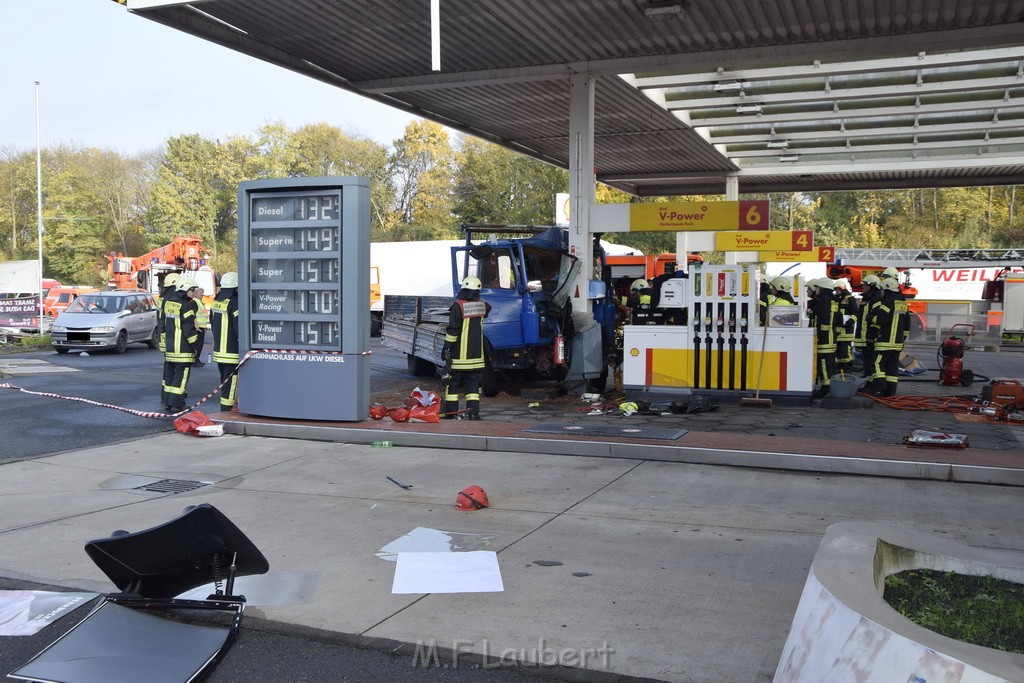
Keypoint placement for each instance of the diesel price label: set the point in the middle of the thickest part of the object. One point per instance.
(326, 207)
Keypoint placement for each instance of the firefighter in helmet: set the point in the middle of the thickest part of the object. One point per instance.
(224, 322)
(824, 311)
(781, 292)
(863, 341)
(180, 339)
(463, 352)
(169, 285)
(889, 324)
(848, 308)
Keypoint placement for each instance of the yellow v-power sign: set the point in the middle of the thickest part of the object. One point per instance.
(818, 254)
(772, 240)
(699, 216)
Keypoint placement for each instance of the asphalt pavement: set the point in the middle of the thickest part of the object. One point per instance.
(621, 556)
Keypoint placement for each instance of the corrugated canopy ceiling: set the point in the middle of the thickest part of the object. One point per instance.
(786, 95)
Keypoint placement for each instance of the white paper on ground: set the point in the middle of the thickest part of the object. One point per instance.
(472, 572)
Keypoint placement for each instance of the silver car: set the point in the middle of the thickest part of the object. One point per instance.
(106, 320)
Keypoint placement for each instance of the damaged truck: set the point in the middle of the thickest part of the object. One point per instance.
(532, 332)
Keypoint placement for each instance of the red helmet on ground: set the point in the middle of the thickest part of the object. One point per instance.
(471, 498)
(399, 414)
(377, 411)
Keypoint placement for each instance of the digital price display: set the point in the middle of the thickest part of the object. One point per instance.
(295, 270)
(304, 293)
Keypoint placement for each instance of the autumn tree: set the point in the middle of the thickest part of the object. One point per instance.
(497, 185)
(423, 165)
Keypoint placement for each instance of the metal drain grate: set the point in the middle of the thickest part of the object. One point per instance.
(171, 486)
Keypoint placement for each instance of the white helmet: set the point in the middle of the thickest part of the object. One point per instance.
(820, 283)
(229, 279)
(842, 283)
(639, 284)
(870, 281)
(889, 284)
(783, 284)
(890, 272)
(471, 282)
(171, 279)
(186, 283)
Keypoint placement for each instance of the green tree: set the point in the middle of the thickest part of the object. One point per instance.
(497, 185)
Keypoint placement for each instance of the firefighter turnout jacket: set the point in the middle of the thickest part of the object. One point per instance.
(826, 319)
(867, 303)
(889, 322)
(180, 335)
(465, 333)
(224, 321)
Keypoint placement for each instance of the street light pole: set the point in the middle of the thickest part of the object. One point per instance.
(39, 210)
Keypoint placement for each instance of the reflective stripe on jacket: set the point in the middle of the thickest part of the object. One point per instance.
(180, 334)
(889, 322)
(224, 318)
(466, 332)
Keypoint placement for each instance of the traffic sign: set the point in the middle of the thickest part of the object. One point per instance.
(771, 240)
(818, 254)
(698, 216)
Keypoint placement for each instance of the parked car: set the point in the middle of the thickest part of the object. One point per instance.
(106, 320)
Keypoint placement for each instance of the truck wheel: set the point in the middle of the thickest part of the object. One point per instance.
(122, 342)
(376, 324)
(419, 367)
(60, 349)
(488, 382)
(966, 378)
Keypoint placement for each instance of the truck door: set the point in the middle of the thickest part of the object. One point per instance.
(499, 267)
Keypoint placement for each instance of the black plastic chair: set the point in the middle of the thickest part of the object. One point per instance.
(138, 634)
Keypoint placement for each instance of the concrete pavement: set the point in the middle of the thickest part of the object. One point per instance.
(621, 555)
(670, 571)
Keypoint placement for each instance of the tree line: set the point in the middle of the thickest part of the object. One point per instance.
(423, 186)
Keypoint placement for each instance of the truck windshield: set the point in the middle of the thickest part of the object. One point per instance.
(496, 270)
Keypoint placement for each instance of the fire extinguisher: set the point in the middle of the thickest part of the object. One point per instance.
(559, 349)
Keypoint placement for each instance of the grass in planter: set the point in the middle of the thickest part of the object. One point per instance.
(981, 610)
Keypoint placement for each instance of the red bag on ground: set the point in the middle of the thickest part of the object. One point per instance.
(189, 423)
(424, 406)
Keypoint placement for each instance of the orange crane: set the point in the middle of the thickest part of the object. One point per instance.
(185, 255)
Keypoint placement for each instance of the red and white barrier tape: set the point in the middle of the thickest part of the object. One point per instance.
(161, 415)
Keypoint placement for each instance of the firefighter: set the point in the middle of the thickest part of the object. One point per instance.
(224, 322)
(463, 351)
(848, 308)
(180, 339)
(781, 293)
(824, 313)
(863, 341)
(639, 293)
(170, 283)
(889, 325)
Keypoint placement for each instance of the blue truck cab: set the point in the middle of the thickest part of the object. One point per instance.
(526, 275)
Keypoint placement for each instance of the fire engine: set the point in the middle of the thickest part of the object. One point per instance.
(185, 255)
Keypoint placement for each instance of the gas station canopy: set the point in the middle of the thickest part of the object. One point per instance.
(784, 95)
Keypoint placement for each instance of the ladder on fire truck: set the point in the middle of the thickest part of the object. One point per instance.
(930, 258)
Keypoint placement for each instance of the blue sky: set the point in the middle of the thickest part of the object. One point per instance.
(117, 81)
